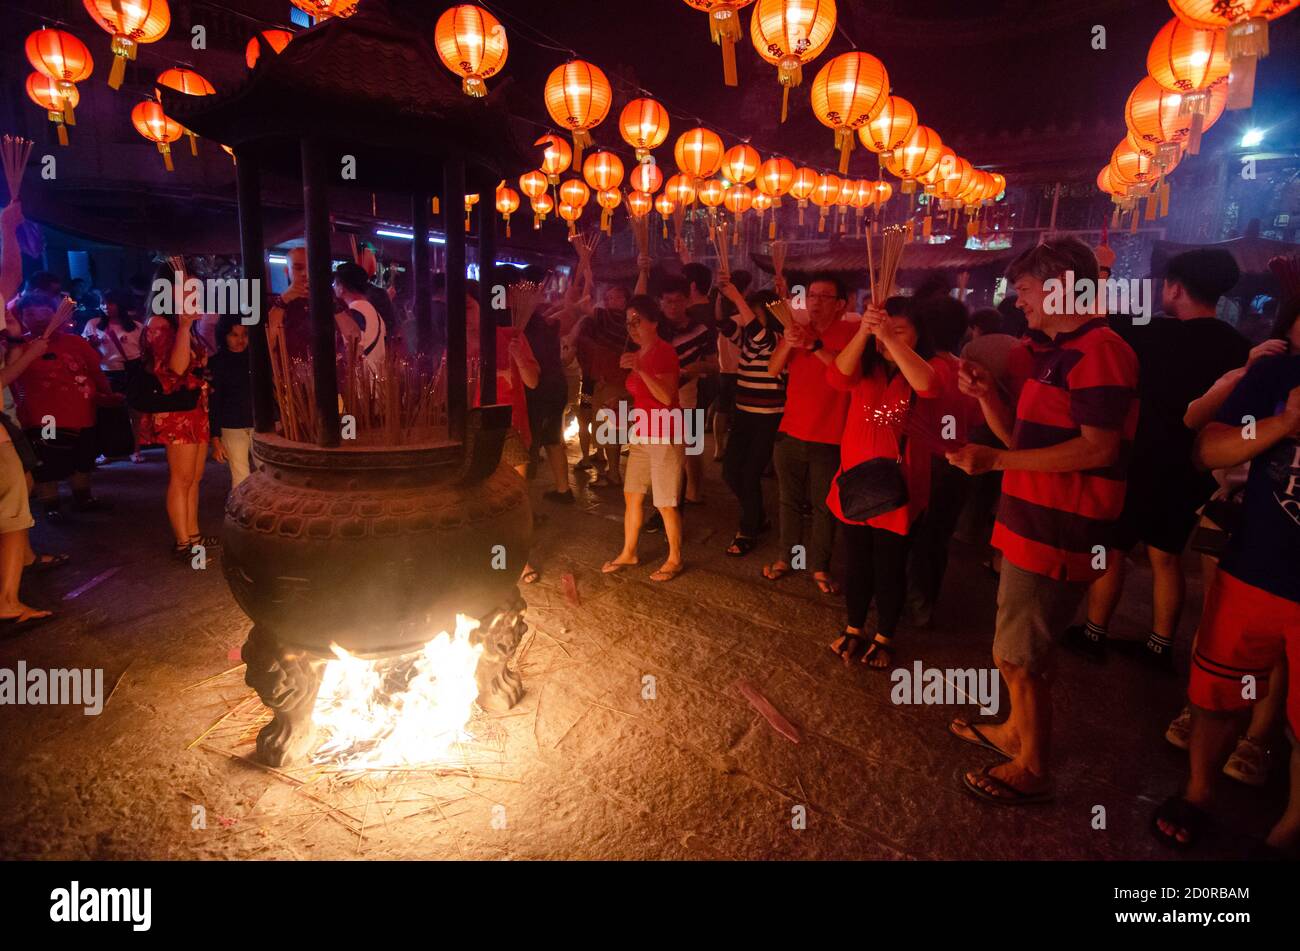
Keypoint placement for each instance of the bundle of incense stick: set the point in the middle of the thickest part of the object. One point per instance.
(780, 309)
(640, 232)
(892, 240)
(720, 244)
(14, 151)
(778, 257)
(523, 301)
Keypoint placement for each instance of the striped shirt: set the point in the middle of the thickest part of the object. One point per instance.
(756, 392)
(693, 342)
(1051, 523)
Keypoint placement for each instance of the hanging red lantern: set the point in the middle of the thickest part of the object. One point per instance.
(775, 177)
(556, 156)
(276, 39)
(507, 204)
(130, 24)
(698, 152)
(603, 170)
(738, 199)
(578, 96)
(802, 186)
(890, 129)
(609, 199)
(724, 28)
(55, 100)
(666, 207)
(824, 194)
(1245, 23)
(646, 177)
(711, 194)
(571, 214)
(1192, 62)
(533, 184)
(190, 83)
(152, 123)
(574, 191)
(472, 44)
(915, 157)
(640, 204)
(847, 93)
(1155, 116)
(740, 163)
(790, 33)
(64, 60)
(543, 205)
(643, 124)
(680, 190)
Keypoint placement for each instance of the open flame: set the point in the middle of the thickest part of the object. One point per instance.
(399, 711)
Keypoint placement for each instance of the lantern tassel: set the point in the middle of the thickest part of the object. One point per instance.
(166, 151)
(1114, 218)
(118, 71)
(927, 226)
(1164, 199)
(1194, 136)
(1241, 83)
(436, 206)
(1247, 45)
(785, 102)
(194, 143)
(1153, 199)
(63, 133)
(844, 141)
(771, 228)
(729, 61)
(1133, 224)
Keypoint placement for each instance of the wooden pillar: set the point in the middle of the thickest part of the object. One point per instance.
(421, 284)
(248, 192)
(320, 291)
(487, 280)
(453, 201)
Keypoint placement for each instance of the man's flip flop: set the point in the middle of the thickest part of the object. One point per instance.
(773, 573)
(1006, 795)
(1186, 816)
(45, 562)
(610, 567)
(665, 574)
(979, 739)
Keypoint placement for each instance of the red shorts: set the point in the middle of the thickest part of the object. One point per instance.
(1244, 632)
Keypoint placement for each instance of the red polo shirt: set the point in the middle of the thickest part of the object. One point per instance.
(815, 410)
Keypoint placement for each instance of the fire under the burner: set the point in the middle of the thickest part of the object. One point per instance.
(402, 711)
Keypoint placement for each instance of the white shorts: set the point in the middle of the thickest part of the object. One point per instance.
(656, 466)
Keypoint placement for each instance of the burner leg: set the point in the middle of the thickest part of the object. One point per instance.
(499, 687)
(287, 681)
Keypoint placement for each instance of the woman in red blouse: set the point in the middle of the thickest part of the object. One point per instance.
(174, 355)
(883, 375)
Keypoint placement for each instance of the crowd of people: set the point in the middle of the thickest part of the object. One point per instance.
(1060, 440)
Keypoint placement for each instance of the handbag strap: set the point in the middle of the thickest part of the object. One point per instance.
(902, 436)
(108, 330)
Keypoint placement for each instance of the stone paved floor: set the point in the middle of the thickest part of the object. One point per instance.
(593, 770)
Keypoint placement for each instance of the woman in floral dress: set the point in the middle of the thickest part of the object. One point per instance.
(176, 358)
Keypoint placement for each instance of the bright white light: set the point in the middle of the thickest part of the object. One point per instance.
(406, 235)
(278, 259)
(1252, 138)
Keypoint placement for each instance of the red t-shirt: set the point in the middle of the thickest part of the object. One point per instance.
(659, 360)
(510, 386)
(814, 410)
(877, 417)
(62, 383)
(1051, 523)
(947, 420)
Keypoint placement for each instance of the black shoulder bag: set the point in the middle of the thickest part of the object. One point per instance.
(144, 392)
(875, 486)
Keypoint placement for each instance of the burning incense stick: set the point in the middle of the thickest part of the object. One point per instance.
(781, 311)
(14, 151)
(720, 244)
(523, 301)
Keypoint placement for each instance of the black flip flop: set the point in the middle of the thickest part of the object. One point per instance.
(851, 649)
(983, 741)
(1009, 795)
(1183, 814)
(46, 562)
(743, 544)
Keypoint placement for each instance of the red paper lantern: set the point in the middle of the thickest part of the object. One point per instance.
(698, 152)
(892, 126)
(507, 204)
(646, 177)
(789, 33)
(775, 176)
(556, 156)
(848, 92)
(578, 96)
(740, 163)
(130, 23)
(603, 170)
(190, 83)
(152, 123)
(915, 157)
(472, 44)
(644, 126)
(533, 184)
(57, 101)
(276, 39)
(1245, 23)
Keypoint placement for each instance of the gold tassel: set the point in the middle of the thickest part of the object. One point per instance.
(821, 221)
(1194, 136)
(771, 228)
(927, 226)
(118, 71)
(1152, 199)
(1247, 45)
(194, 143)
(166, 151)
(785, 102)
(844, 142)
(435, 205)
(729, 60)
(665, 228)
(1164, 199)
(1133, 225)
(63, 133)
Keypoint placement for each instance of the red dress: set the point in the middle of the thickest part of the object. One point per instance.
(186, 427)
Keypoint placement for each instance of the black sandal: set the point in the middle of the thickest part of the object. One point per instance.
(881, 645)
(851, 646)
(46, 562)
(1186, 816)
(741, 545)
(182, 551)
(207, 541)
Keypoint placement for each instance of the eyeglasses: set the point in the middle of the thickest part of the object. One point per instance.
(822, 296)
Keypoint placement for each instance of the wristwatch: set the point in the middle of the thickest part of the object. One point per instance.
(816, 345)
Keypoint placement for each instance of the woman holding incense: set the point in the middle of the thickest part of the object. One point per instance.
(656, 452)
(888, 368)
(173, 355)
(759, 402)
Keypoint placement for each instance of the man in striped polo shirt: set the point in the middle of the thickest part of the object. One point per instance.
(1062, 491)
